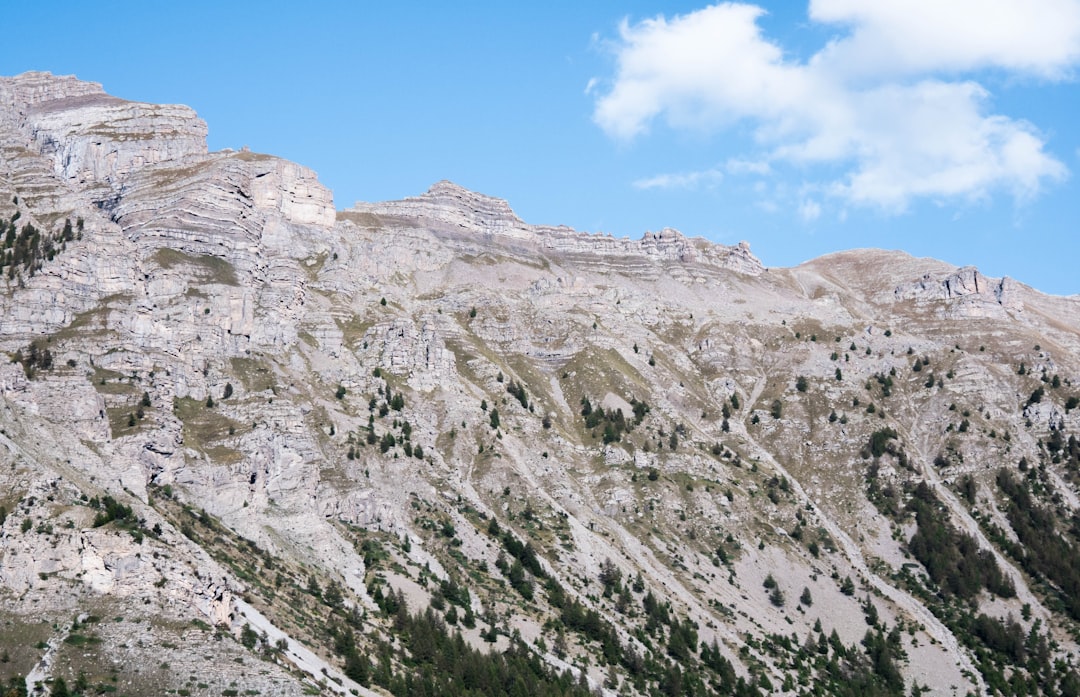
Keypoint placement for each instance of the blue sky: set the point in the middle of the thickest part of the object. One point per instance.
(943, 129)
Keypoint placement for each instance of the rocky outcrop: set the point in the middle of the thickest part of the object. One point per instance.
(92, 137)
(976, 295)
(448, 208)
(471, 221)
(30, 90)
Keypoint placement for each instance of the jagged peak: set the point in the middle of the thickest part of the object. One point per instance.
(469, 201)
(450, 208)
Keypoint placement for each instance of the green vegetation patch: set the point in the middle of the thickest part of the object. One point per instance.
(210, 269)
(205, 427)
(255, 375)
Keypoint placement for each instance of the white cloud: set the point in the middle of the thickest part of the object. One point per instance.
(886, 104)
(931, 140)
(683, 180)
(1041, 37)
(698, 69)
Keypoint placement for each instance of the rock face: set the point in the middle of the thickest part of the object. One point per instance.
(224, 404)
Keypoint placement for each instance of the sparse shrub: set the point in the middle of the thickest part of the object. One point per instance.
(870, 612)
(248, 636)
(968, 488)
(879, 441)
(517, 389)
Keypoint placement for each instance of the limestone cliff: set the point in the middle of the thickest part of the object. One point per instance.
(238, 424)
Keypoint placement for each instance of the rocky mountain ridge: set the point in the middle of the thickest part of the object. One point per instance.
(241, 428)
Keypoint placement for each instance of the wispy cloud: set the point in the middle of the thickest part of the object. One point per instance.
(890, 102)
(737, 165)
(682, 180)
(809, 210)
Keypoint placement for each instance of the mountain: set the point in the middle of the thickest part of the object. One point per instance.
(254, 444)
